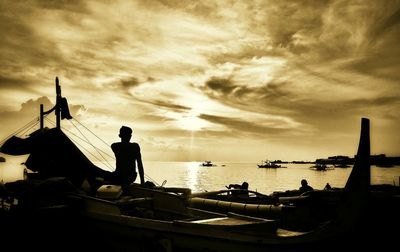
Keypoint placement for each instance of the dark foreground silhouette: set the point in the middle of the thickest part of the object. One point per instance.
(54, 211)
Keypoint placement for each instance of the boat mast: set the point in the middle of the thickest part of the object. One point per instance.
(58, 104)
(56, 108)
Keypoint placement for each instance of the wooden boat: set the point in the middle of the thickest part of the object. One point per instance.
(161, 217)
(237, 195)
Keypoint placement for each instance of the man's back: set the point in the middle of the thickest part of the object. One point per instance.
(126, 154)
(305, 188)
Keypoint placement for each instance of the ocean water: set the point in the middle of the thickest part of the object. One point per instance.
(264, 180)
(199, 179)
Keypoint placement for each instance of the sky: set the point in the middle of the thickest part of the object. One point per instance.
(238, 81)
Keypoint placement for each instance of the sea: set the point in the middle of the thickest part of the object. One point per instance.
(201, 178)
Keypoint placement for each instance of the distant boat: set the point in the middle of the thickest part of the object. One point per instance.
(269, 164)
(321, 167)
(207, 163)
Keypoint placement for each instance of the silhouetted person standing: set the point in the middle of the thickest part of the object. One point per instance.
(127, 154)
(305, 187)
(327, 187)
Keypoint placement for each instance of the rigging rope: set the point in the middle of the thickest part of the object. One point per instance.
(24, 129)
(28, 129)
(92, 132)
(77, 143)
(18, 131)
(145, 175)
(90, 143)
(83, 140)
(97, 149)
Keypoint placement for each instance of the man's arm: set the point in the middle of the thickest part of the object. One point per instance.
(113, 147)
(140, 167)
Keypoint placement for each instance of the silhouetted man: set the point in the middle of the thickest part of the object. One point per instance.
(243, 186)
(127, 154)
(327, 187)
(242, 189)
(305, 187)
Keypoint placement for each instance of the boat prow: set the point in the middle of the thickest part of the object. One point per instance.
(354, 199)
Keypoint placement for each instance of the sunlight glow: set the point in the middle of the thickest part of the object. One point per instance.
(192, 123)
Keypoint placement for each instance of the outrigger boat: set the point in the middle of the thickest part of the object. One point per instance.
(237, 195)
(269, 164)
(163, 217)
(166, 219)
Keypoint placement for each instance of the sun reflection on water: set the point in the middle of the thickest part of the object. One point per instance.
(192, 171)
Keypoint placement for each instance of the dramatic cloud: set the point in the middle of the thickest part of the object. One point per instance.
(296, 74)
(29, 114)
(10, 83)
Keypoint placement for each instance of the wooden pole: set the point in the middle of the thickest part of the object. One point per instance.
(58, 104)
(41, 116)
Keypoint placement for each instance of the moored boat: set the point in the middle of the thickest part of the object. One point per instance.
(321, 167)
(268, 164)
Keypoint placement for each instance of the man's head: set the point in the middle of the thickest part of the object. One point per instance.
(125, 133)
(304, 182)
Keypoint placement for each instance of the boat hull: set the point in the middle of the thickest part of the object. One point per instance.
(127, 233)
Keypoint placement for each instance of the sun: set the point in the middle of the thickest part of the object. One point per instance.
(192, 123)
